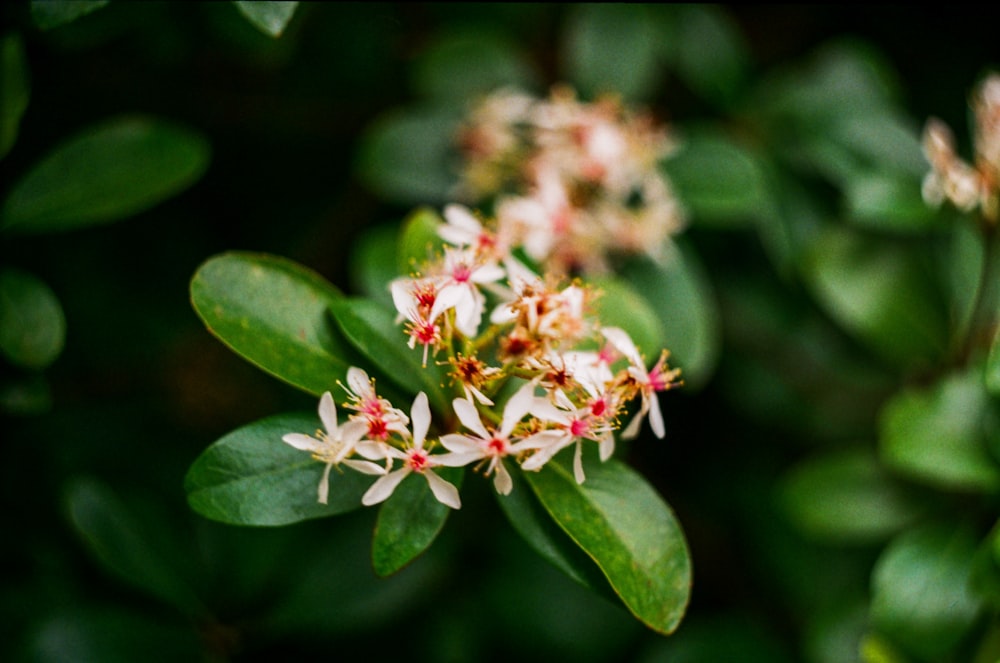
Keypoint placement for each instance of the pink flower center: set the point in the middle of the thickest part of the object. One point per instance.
(579, 427)
(461, 273)
(599, 406)
(417, 460)
(497, 446)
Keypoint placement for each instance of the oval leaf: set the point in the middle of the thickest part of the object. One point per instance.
(13, 89)
(711, 53)
(921, 594)
(372, 329)
(118, 538)
(108, 172)
(679, 293)
(937, 434)
(271, 18)
(619, 305)
(458, 68)
(32, 325)
(274, 313)
(847, 497)
(418, 241)
(252, 477)
(409, 521)
(628, 530)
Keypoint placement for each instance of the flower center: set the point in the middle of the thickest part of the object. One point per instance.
(417, 460)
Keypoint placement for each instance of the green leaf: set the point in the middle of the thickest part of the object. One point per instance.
(881, 293)
(888, 202)
(373, 263)
(679, 293)
(921, 596)
(992, 373)
(121, 541)
(32, 325)
(963, 267)
(719, 181)
(14, 89)
(419, 241)
(372, 330)
(252, 477)
(271, 18)
(596, 30)
(711, 53)
(847, 497)
(620, 305)
(458, 68)
(275, 314)
(49, 14)
(106, 173)
(409, 521)
(937, 434)
(409, 156)
(628, 530)
(537, 528)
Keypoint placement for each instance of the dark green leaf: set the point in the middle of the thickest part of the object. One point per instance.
(252, 477)
(373, 263)
(937, 434)
(921, 596)
(275, 314)
(679, 293)
(409, 521)
(13, 90)
(419, 241)
(888, 202)
(271, 18)
(847, 497)
(963, 275)
(594, 32)
(49, 14)
(459, 68)
(620, 305)
(719, 181)
(712, 55)
(32, 325)
(106, 173)
(120, 541)
(626, 528)
(881, 293)
(408, 156)
(372, 329)
(535, 526)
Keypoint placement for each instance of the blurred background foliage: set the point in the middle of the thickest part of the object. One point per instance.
(834, 463)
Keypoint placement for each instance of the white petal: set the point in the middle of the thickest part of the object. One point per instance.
(469, 417)
(578, 463)
(402, 298)
(458, 443)
(623, 343)
(303, 442)
(607, 447)
(420, 414)
(358, 381)
(324, 484)
(656, 417)
(456, 459)
(365, 466)
(328, 413)
(518, 406)
(502, 481)
(633, 427)
(382, 489)
(445, 493)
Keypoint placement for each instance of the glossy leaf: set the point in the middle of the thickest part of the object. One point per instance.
(937, 434)
(419, 241)
(32, 324)
(963, 269)
(679, 294)
(270, 17)
(106, 173)
(626, 528)
(49, 14)
(458, 68)
(921, 595)
(252, 477)
(275, 314)
(720, 182)
(121, 542)
(13, 89)
(879, 292)
(409, 521)
(594, 31)
(407, 157)
(373, 331)
(847, 497)
(620, 305)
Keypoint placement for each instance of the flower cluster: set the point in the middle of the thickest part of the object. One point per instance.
(967, 186)
(566, 380)
(574, 183)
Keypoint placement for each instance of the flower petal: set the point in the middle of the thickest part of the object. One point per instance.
(469, 417)
(445, 493)
(420, 414)
(303, 442)
(324, 485)
(382, 489)
(502, 481)
(578, 463)
(328, 413)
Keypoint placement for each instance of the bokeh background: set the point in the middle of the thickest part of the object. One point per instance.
(95, 446)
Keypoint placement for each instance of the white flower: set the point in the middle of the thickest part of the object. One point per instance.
(658, 378)
(415, 459)
(484, 444)
(332, 447)
(463, 273)
(573, 425)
